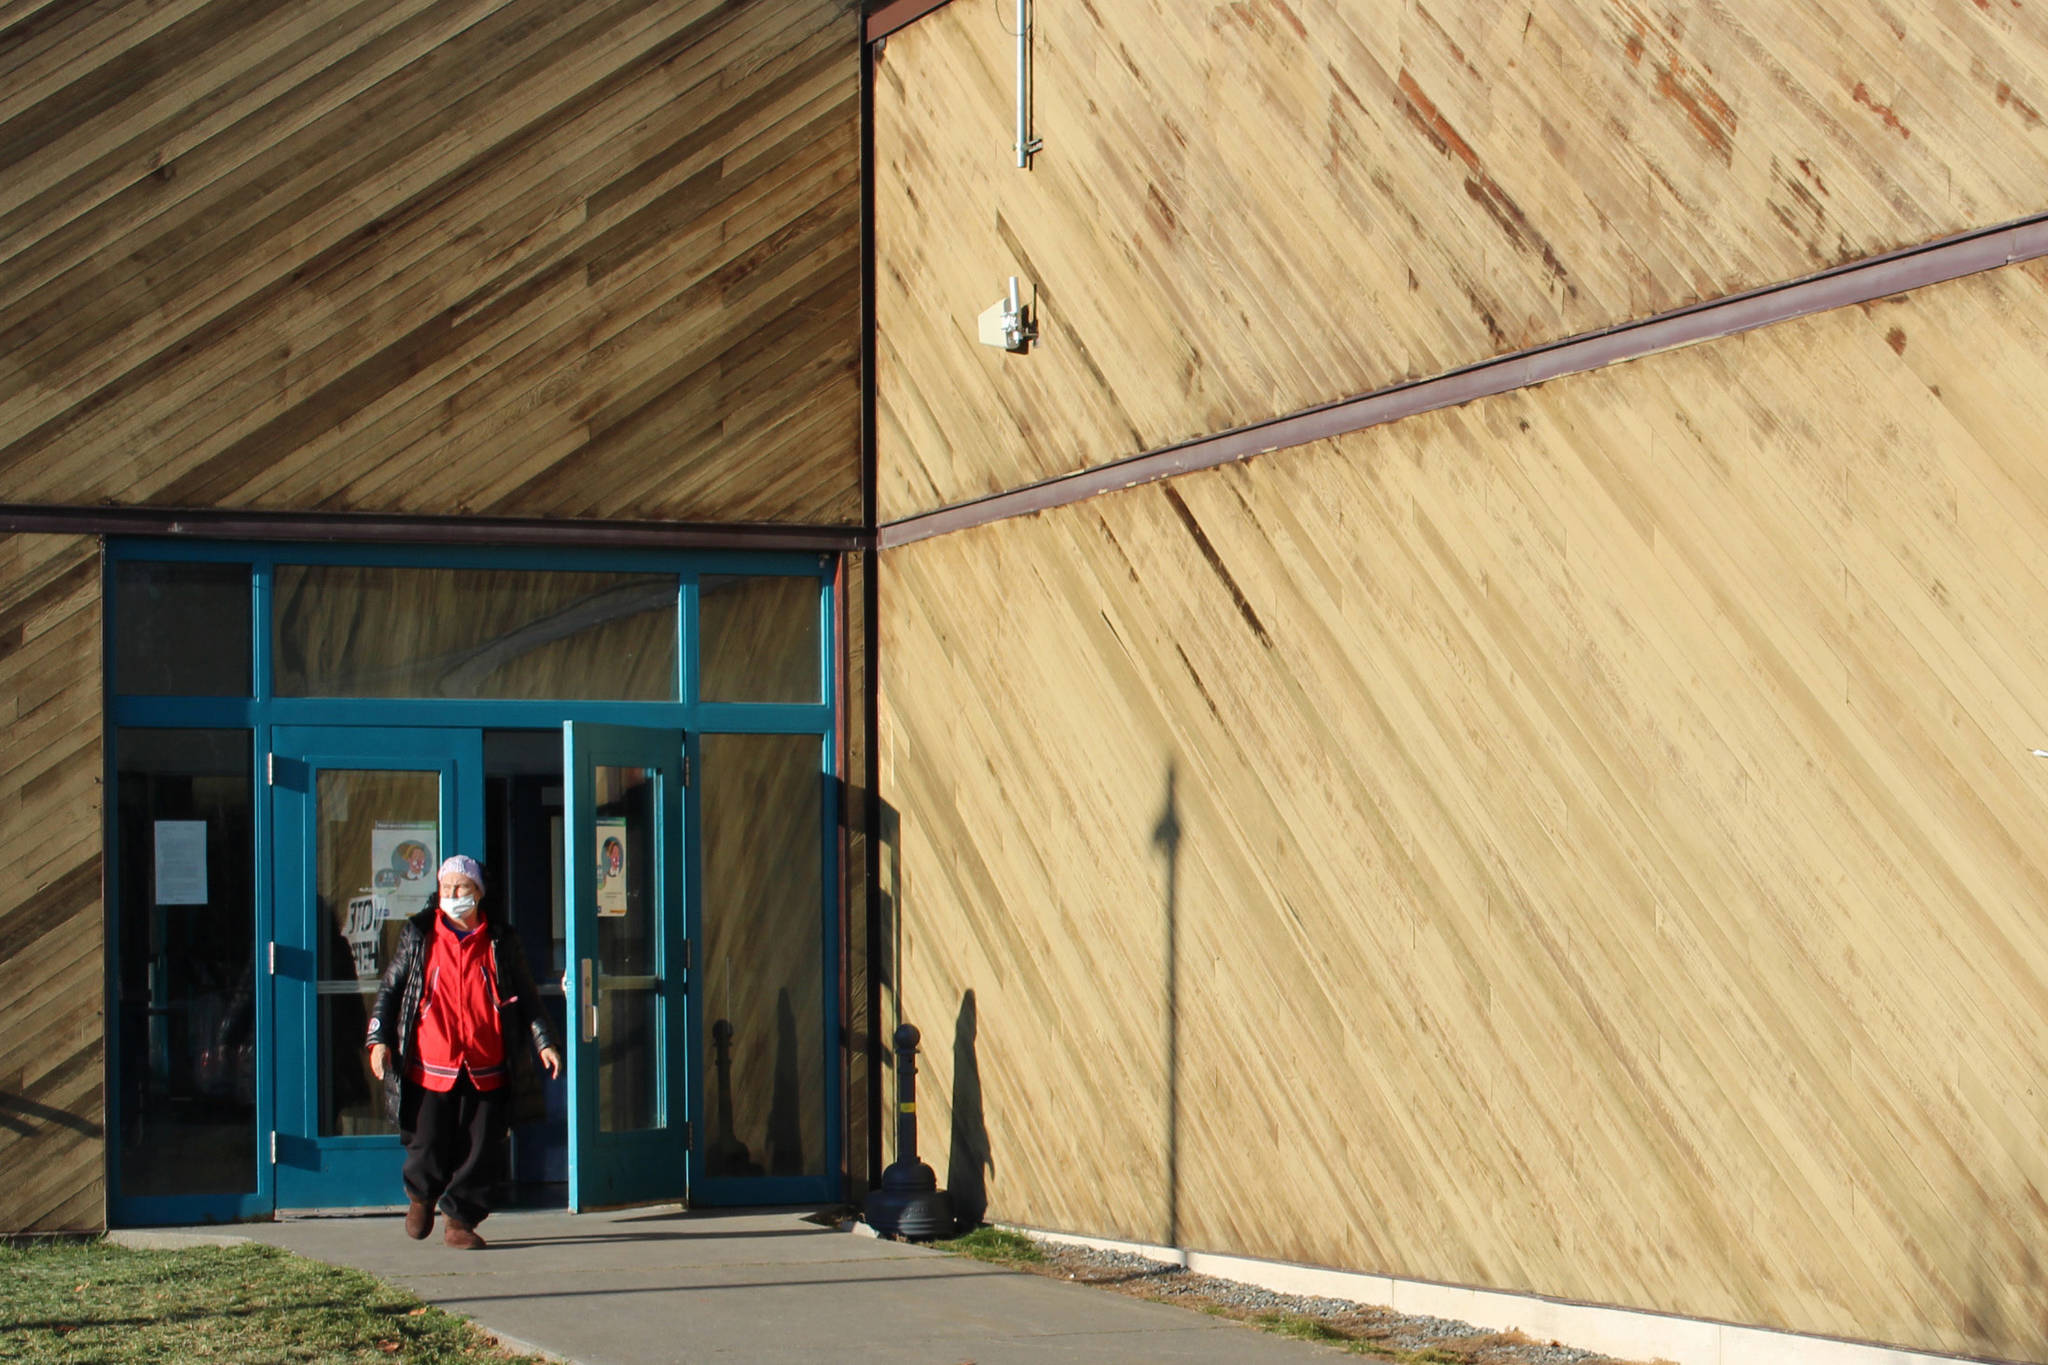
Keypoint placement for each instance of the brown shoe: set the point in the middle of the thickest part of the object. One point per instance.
(419, 1219)
(462, 1236)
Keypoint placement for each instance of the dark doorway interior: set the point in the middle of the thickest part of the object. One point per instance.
(523, 853)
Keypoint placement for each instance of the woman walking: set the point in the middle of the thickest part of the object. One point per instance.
(450, 1006)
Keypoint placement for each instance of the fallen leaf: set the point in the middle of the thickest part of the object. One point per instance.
(417, 1311)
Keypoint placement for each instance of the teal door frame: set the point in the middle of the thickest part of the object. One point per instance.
(313, 1170)
(365, 728)
(609, 1168)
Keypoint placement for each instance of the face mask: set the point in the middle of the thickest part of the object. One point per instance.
(460, 906)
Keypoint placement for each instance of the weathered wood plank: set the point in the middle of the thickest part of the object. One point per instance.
(51, 935)
(370, 218)
(1243, 211)
(1588, 828)
(44, 46)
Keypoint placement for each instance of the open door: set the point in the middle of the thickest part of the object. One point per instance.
(628, 952)
(362, 818)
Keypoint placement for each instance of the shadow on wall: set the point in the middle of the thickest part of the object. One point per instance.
(2005, 1312)
(785, 1108)
(1166, 836)
(22, 1115)
(886, 958)
(968, 1161)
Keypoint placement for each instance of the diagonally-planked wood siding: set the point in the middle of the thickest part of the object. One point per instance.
(1584, 842)
(1244, 209)
(519, 257)
(52, 983)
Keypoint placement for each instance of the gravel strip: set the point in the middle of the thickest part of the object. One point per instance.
(1367, 1323)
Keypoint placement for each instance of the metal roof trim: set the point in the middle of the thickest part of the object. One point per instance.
(899, 14)
(1843, 286)
(219, 523)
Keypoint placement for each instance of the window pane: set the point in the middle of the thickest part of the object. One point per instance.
(764, 981)
(181, 629)
(627, 981)
(379, 853)
(187, 934)
(370, 631)
(758, 639)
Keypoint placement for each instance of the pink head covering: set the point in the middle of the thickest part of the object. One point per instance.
(464, 866)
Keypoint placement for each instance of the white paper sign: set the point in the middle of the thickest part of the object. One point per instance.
(364, 932)
(181, 862)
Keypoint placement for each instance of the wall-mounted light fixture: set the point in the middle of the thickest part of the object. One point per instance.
(1008, 324)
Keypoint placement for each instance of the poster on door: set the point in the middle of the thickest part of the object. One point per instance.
(405, 861)
(365, 934)
(611, 868)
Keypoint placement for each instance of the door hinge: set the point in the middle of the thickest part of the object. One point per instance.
(273, 1146)
(270, 770)
(686, 768)
(273, 957)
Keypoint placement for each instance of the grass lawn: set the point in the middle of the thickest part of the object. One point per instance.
(79, 1302)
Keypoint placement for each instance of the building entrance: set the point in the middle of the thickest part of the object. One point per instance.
(659, 835)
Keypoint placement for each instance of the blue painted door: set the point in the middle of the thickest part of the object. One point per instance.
(628, 949)
(362, 818)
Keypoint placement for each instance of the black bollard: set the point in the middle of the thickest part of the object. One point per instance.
(909, 1203)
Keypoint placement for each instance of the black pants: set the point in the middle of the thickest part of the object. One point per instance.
(453, 1141)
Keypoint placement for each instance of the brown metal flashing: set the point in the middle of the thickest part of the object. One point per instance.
(536, 533)
(899, 14)
(1859, 282)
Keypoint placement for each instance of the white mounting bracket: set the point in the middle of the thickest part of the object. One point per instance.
(1007, 324)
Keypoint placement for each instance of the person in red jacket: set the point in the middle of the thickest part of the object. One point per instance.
(443, 1007)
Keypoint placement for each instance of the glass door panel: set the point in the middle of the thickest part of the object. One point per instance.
(626, 986)
(379, 845)
(628, 941)
(766, 972)
(186, 991)
(362, 819)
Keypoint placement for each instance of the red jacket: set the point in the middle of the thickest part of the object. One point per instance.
(458, 1024)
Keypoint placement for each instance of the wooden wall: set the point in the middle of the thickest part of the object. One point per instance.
(581, 258)
(1582, 842)
(52, 983)
(1244, 209)
(860, 977)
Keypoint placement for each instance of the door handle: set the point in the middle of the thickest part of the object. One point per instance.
(588, 994)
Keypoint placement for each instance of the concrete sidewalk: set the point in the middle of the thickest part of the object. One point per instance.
(645, 1286)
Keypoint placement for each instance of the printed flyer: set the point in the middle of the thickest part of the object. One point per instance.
(405, 861)
(611, 868)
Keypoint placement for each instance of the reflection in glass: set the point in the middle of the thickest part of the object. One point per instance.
(379, 851)
(763, 963)
(186, 921)
(627, 980)
(181, 629)
(376, 631)
(758, 639)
